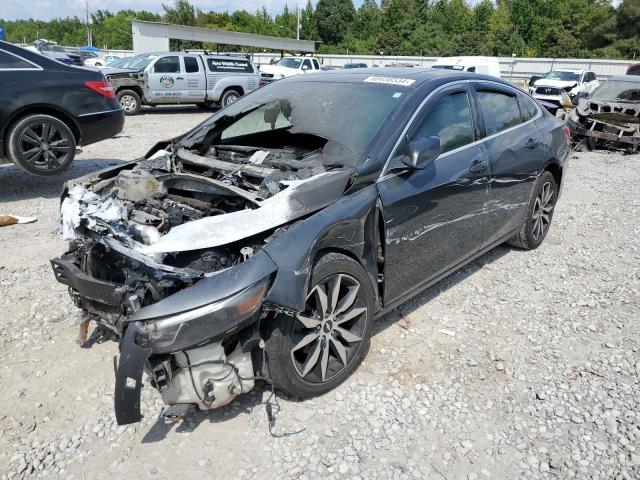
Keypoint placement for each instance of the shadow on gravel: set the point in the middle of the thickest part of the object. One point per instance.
(16, 184)
(247, 403)
(176, 109)
(241, 404)
(443, 285)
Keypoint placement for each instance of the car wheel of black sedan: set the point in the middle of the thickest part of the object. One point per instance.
(539, 214)
(314, 352)
(42, 144)
(130, 102)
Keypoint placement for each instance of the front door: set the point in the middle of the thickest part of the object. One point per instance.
(167, 82)
(434, 217)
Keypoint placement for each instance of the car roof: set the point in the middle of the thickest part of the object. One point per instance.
(419, 75)
(626, 78)
(208, 55)
(570, 70)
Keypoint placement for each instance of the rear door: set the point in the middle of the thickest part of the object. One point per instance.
(167, 83)
(195, 78)
(515, 149)
(434, 217)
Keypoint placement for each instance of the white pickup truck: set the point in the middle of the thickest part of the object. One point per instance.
(288, 67)
(181, 78)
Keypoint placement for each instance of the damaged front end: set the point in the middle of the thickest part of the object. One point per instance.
(610, 117)
(166, 256)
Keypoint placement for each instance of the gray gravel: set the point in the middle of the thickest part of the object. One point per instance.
(522, 365)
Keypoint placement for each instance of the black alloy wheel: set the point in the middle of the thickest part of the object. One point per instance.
(316, 350)
(42, 144)
(539, 214)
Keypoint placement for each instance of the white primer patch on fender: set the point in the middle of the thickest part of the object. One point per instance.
(405, 82)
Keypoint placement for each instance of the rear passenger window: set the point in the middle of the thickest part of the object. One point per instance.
(500, 111)
(167, 65)
(316, 65)
(450, 121)
(191, 65)
(529, 108)
(11, 61)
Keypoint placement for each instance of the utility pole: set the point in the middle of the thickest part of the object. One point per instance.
(297, 22)
(86, 5)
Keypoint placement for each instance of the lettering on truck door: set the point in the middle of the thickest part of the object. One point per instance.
(195, 79)
(167, 83)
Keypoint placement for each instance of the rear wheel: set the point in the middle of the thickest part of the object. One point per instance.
(229, 97)
(130, 102)
(539, 214)
(319, 348)
(41, 144)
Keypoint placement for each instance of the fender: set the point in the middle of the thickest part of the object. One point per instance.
(296, 248)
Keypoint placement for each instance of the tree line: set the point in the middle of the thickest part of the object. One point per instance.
(524, 28)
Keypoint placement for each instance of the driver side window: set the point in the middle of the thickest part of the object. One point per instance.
(450, 121)
(306, 65)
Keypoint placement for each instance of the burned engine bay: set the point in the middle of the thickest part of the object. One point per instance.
(165, 256)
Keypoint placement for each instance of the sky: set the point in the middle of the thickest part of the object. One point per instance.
(47, 9)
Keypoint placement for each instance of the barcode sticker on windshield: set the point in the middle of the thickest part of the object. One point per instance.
(390, 80)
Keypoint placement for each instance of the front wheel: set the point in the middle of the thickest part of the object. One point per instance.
(318, 349)
(539, 214)
(130, 102)
(42, 144)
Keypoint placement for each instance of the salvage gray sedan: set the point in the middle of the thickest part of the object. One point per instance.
(263, 244)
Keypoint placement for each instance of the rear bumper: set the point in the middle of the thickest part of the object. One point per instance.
(96, 126)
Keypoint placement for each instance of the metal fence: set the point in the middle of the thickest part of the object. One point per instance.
(512, 68)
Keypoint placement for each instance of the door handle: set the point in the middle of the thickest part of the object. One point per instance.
(531, 143)
(179, 78)
(478, 166)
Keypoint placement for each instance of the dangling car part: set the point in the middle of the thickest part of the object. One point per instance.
(266, 241)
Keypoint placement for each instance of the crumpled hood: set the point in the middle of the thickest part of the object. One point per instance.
(279, 70)
(84, 208)
(543, 82)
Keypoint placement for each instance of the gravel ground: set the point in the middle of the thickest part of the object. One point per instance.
(521, 365)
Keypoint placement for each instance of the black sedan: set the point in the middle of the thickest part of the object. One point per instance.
(265, 242)
(47, 109)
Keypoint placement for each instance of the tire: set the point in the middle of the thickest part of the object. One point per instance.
(41, 144)
(229, 97)
(98, 64)
(287, 353)
(130, 102)
(541, 206)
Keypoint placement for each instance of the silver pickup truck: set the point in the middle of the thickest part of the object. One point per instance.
(180, 78)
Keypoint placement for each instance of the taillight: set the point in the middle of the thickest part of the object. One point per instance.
(567, 133)
(102, 87)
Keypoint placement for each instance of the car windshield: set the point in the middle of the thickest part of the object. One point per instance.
(346, 116)
(290, 62)
(617, 90)
(564, 76)
(138, 62)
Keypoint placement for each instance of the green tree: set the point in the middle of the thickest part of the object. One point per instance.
(333, 19)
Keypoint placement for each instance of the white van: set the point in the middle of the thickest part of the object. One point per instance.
(484, 65)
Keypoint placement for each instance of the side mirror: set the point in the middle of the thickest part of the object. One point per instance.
(422, 152)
